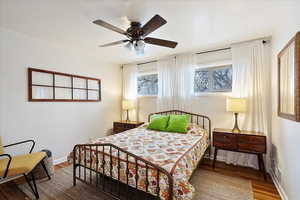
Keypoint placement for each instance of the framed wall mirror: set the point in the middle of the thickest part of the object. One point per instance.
(46, 86)
(289, 80)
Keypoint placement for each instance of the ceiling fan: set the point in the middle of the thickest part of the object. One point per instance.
(137, 34)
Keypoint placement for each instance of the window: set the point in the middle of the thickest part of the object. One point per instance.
(214, 79)
(147, 84)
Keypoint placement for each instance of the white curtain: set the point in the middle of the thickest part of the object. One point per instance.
(166, 84)
(175, 82)
(251, 80)
(130, 73)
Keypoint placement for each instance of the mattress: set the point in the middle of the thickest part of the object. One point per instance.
(177, 153)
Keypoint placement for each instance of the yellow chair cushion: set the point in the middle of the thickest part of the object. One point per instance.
(1, 146)
(22, 164)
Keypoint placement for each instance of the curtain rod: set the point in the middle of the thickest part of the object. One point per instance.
(223, 49)
(196, 53)
(147, 62)
(203, 52)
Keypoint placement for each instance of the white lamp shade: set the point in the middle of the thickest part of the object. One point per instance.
(236, 105)
(127, 104)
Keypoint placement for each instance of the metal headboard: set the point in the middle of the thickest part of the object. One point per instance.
(202, 120)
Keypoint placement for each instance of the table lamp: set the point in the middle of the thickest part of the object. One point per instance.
(236, 105)
(127, 105)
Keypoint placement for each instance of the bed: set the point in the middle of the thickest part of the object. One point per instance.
(154, 163)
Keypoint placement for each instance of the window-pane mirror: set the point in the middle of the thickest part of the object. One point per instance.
(39, 78)
(93, 84)
(93, 95)
(288, 79)
(44, 85)
(39, 92)
(63, 81)
(63, 93)
(79, 83)
(80, 94)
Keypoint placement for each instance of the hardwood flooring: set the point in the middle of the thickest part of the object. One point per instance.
(262, 190)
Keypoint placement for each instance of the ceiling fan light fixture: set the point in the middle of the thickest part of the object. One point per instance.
(139, 47)
(140, 52)
(129, 46)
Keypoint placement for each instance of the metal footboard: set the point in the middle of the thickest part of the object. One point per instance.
(99, 171)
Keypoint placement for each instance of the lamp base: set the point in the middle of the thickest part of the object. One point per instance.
(127, 118)
(236, 130)
(236, 127)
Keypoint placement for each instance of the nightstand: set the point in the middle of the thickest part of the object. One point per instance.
(120, 126)
(244, 142)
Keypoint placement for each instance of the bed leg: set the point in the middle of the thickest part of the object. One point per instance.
(74, 167)
(74, 175)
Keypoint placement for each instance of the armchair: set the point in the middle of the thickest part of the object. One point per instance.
(12, 167)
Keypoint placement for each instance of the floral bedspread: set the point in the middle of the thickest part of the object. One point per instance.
(177, 153)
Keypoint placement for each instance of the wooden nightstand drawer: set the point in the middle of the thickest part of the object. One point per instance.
(252, 139)
(251, 148)
(225, 141)
(129, 126)
(118, 130)
(252, 143)
(121, 126)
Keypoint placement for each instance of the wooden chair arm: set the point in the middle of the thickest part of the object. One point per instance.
(22, 142)
(8, 164)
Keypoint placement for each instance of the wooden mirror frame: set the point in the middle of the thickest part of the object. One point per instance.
(53, 87)
(296, 115)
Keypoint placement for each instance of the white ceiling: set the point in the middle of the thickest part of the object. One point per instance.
(195, 25)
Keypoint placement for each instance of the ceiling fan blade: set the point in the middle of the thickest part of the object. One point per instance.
(160, 42)
(153, 24)
(114, 43)
(109, 26)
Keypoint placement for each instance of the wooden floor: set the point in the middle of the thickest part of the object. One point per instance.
(262, 190)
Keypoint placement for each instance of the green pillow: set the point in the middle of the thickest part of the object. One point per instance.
(159, 122)
(178, 123)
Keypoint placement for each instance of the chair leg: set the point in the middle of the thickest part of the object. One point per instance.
(32, 187)
(44, 166)
(34, 184)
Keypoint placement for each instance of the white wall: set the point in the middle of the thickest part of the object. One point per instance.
(57, 126)
(213, 106)
(285, 133)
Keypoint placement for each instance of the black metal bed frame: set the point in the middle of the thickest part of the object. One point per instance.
(84, 172)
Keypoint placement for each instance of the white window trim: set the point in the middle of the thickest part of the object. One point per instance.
(146, 96)
(212, 94)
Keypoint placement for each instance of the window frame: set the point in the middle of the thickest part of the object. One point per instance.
(211, 66)
(144, 74)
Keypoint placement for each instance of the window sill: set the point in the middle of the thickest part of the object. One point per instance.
(147, 96)
(213, 94)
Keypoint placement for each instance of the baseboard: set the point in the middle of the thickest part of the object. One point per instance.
(278, 186)
(60, 160)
